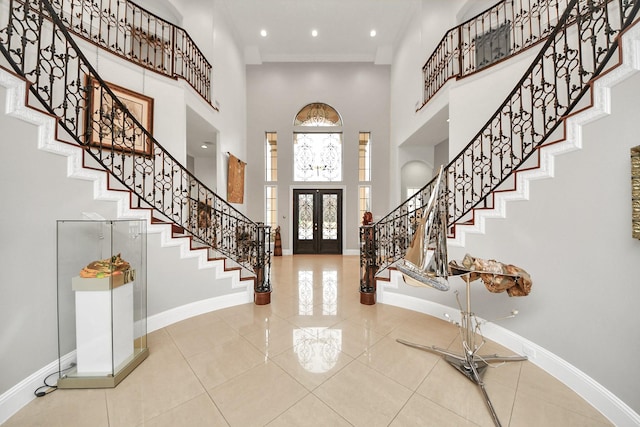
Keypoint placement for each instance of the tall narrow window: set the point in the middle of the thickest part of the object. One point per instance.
(364, 156)
(271, 210)
(271, 156)
(364, 200)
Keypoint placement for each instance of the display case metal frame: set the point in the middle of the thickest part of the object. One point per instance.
(102, 330)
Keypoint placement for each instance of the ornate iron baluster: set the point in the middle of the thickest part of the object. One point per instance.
(130, 31)
(505, 29)
(577, 50)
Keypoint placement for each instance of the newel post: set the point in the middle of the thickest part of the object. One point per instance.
(262, 265)
(368, 267)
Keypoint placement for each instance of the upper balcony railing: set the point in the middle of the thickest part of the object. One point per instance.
(38, 46)
(577, 51)
(505, 29)
(133, 33)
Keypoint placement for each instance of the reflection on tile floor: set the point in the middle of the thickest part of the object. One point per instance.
(313, 357)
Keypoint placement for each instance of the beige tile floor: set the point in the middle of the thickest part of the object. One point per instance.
(314, 357)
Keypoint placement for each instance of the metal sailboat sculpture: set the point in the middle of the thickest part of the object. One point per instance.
(425, 262)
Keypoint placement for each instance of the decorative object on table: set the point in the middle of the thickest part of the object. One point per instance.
(635, 191)
(425, 262)
(119, 123)
(105, 267)
(277, 245)
(235, 180)
(104, 274)
(496, 276)
(470, 363)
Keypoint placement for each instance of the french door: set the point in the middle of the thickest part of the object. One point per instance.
(317, 221)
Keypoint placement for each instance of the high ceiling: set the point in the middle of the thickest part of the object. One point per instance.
(343, 29)
(343, 34)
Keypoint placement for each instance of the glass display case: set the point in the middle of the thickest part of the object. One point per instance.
(102, 301)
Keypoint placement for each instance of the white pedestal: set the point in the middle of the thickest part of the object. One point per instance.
(104, 326)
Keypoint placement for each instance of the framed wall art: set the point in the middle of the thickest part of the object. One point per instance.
(109, 127)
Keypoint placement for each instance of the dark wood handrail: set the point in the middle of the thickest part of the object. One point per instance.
(137, 35)
(40, 49)
(577, 51)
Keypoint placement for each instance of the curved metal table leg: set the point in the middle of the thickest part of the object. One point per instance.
(469, 364)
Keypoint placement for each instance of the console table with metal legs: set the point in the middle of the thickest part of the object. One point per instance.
(470, 363)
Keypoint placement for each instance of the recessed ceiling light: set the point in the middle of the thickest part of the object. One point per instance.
(204, 146)
(314, 33)
(263, 33)
(373, 33)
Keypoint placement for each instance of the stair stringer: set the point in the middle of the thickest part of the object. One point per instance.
(600, 106)
(47, 140)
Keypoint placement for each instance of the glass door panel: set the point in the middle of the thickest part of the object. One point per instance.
(317, 218)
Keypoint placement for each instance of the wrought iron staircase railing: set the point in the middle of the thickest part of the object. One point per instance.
(577, 51)
(37, 45)
(128, 30)
(505, 29)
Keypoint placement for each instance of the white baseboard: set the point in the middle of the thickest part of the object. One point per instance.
(22, 393)
(169, 317)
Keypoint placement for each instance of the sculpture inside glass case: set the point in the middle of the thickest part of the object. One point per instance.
(105, 267)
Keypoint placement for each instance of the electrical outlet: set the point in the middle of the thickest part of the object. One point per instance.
(530, 352)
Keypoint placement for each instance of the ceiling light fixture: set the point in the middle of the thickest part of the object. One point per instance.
(373, 33)
(204, 146)
(263, 33)
(314, 33)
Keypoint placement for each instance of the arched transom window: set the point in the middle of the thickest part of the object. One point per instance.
(317, 153)
(318, 114)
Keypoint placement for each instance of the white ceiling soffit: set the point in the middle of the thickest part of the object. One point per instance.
(343, 27)
(431, 133)
(199, 133)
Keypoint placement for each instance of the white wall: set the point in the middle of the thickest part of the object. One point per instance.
(440, 155)
(205, 168)
(359, 92)
(229, 92)
(474, 99)
(574, 237)
(424, 32)
(168, 96)
(206, 23)
(414, 175)
(36, 192)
